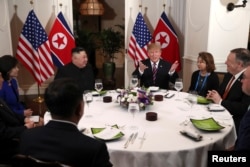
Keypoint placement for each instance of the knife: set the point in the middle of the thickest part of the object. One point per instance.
(142, 139)
(133, 139)
(129, 139)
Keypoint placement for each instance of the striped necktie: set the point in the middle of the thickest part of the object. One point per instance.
(229, 85)
(154, 72)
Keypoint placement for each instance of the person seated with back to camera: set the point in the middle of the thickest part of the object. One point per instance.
(9, 89)
(204, 78)
(165, 72)
(59, 139)
(78, 69)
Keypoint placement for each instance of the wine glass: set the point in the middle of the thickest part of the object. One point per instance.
(133, 108)
(88, 98)
(134, 81)
(192, 98)
(98, 87)
(178, 85)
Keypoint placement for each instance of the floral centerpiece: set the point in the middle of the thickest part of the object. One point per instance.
(140, 96)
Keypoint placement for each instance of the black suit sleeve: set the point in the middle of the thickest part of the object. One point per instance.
(102, 157)
(10, 125)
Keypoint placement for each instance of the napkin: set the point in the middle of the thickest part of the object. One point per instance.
(216, 107)
(107, 133)
(191, 134)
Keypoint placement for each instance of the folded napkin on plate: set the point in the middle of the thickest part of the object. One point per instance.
(191, 134)
(107, 133)
(216, 107)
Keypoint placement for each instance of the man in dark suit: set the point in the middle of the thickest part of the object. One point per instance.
(78, 69)
(230, 94)
(60, 140)
(155, 71)
(243, 138)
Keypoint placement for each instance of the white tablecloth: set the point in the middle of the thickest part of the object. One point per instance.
(164, 145)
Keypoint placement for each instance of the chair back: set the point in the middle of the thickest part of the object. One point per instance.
(21, 160)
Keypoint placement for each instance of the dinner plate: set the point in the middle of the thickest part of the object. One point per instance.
(153, 88)
(108, 133)
(208, 124)
(203, 100)
(215, 107)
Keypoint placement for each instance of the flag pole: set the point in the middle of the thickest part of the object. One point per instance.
(39, 99)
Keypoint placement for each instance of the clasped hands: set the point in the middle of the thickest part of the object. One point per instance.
(214, 95)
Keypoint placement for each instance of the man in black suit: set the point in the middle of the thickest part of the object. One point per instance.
(243, 138)
(231, 95)
(164, 71)
(60, 140)
(78, 69)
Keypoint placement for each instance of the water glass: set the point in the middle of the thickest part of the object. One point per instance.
(98, 87)
(88, 98)
(133, 108)
(134, 81)
(178, 85)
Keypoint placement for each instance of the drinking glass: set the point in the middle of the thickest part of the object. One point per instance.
(134, 81)
(98, 87)
(133, 108)
(178, 85)
(88, 98)
(192, 98)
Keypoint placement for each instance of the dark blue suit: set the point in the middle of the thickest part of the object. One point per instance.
(162, 76)
(243, 139)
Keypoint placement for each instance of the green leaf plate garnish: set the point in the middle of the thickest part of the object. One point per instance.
(95, 93)
(95, 132)
(208, 124)
(203, 100)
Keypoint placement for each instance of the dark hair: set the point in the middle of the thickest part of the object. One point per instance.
(62, 97)
(208, 58)
(7, 62)
(242, 55)
(77, 50)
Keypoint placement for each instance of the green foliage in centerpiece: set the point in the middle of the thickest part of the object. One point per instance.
(140, 96)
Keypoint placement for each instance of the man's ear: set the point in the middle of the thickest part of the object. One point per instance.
(79, 109)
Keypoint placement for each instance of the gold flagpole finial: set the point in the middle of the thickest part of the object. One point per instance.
(140, 6)
(164, 5)
(31, 2)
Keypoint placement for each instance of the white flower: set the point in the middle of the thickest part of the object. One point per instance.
(141, 104)
(123, 99)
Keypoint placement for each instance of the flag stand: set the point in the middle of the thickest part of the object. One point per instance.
(39, 99)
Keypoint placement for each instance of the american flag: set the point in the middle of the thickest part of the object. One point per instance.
(139, 39)
(33, 49)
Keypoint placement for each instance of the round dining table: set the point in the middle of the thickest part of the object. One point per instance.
(159, 143)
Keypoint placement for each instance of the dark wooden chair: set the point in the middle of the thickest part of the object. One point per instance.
(20, 160)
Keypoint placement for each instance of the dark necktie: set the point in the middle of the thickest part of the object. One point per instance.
(228, 88)
(154, 72)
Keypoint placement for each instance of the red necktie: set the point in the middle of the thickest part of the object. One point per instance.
(228, 87)
(154, 72)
